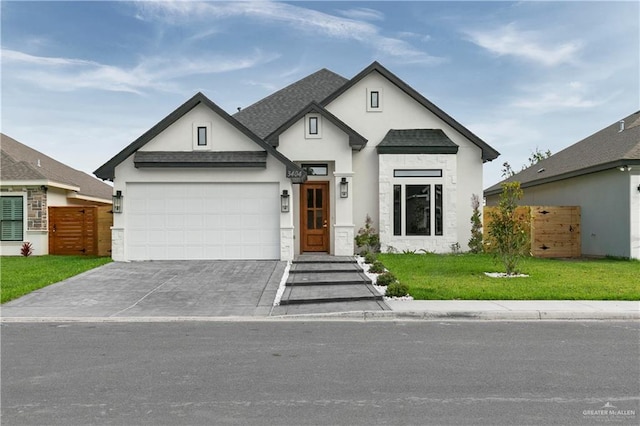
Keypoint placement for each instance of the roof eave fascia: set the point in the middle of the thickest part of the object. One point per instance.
(75, 196)
(356, 140)
(417, 150)
(40, 182)
(563, 176)
(107, 170)
(488, 153)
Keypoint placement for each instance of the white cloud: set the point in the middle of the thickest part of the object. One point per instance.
(156, 73)
(363, 13)
(300, 18)
(529, 45)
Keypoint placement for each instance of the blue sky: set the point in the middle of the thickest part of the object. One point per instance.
(81, 80)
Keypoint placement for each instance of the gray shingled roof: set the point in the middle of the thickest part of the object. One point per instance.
(200, 159)
(268, 114)
(22, 163)
(606, 149)
(416, 141)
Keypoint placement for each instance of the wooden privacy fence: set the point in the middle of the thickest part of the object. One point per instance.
(554, 230)
(80, 230)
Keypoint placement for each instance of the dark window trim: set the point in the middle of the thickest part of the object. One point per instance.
(435, 225)
(200, 141)
(438, 214)
(374, 99)
(397, 210)
(312, 121)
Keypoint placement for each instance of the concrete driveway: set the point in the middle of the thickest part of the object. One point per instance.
(190, 288)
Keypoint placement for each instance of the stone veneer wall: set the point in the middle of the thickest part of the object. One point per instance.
(434, 243)
(36, 209)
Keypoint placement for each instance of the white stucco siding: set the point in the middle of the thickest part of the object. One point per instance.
(333, 149)
(400, 111)
(180, 135)
(607, 207)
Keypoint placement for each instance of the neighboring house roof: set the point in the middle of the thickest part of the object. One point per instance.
(356, 140)
(268, 114)
(417, 141)
(488, 153)
(606, 149)
(107, 170)
(200, 159)
(20, 163)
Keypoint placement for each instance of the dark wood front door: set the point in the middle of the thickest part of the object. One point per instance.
(314, 216)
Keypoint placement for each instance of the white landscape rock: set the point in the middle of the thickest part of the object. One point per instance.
(505, 275)
(374, 279)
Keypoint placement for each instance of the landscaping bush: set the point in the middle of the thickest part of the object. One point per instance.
(386, 279)
(397, 289)
(376, 267)
(369, 258)
(26, 249)
(368, 239)
(475, 242)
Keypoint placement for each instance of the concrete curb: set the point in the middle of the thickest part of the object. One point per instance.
(532, 315)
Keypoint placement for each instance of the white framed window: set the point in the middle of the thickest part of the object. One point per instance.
(12, 218)
(374, 99)
(202, 136)
(313, 126)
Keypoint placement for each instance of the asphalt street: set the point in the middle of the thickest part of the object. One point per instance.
(316, 373)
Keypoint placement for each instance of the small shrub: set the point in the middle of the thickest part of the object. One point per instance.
(368, 239)
(475, 242)
(386, 278)
(369, 257)
(26, 249)
(376, 267)
(397, 289)
(455, 248)
(407, 251)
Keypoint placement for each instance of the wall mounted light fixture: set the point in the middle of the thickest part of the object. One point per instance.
(284, 201)
(117, 202)
(344, 188)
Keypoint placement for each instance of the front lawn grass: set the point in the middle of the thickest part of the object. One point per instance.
(461, 276)
(22, 275)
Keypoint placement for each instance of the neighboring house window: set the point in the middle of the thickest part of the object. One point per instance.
(422, 203)
(374, 99)
(11, 218)
(202, 136)
(313, 126)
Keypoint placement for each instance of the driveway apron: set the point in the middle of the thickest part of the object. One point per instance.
(188, 288)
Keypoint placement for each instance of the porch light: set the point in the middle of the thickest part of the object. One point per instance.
(284, 201)
(117, 202)
(344, 188)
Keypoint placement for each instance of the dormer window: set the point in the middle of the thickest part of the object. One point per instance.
(201, 136)
(313, 126)
(374, 99)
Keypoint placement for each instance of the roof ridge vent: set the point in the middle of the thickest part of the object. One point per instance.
(621, 126)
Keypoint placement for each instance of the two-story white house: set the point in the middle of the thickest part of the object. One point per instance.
(298, 172)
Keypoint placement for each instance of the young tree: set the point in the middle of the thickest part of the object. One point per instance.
(475, 242)
(508, 233)
(535, 157)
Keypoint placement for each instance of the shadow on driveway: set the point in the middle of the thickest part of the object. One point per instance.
(186, 288)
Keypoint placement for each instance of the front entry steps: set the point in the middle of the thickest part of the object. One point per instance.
(318, 279)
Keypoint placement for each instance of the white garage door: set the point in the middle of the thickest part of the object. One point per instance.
(202, 221)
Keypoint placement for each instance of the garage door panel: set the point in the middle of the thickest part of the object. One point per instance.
(202, 221)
